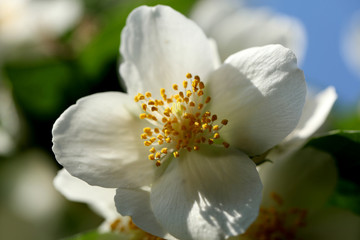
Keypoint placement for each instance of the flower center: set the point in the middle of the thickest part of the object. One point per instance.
(277, 223)
(181, 120)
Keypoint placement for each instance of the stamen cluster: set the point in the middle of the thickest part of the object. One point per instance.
(181, 120)
(277, 223)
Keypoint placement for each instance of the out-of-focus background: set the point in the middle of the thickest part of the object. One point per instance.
(53, 52)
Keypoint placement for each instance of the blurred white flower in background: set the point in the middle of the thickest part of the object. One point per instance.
(28, 199)
(31, 22)
(9, 121)
(295, 195)
(351, 44)
(235, 27)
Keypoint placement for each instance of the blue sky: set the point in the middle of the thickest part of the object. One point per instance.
(325, 22)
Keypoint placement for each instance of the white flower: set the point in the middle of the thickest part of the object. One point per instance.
(295, 194)
(235, 27)
(199, 182)
(315, 112)
(9, 121)
(351, 43)
(30, 21)
(101, 201)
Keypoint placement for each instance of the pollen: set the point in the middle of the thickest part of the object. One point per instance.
(180, 120)
(277, 222)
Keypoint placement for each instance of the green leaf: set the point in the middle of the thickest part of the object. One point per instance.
(347, 195)
(344, 146)
(94, 235)
(39, 86)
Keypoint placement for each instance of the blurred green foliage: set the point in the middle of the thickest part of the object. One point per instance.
(344, 146)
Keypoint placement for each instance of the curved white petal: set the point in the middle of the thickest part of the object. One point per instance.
(98, 141)
(210, 194)
(315, 112)
(101, 200)
(331, 224)
(136, 203)
(236, 27)
(160, 46)
(305, 179)
(261, 92)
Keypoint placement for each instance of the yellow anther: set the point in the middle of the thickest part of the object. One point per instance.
(160, 136)
(188, 75)
(136, 98)
(214, 117)
(205, 126)
(147, 143)
(160, 141)
(188, 93)
(143, 136)
(162, 91)
(176, 154)
(175, 87)
(201, 85)
(186, 100)
(152, 150)
(200, 106)
(197, 114)
(153, 139)
(158, 163)
(157, 155)
(197, 78)
(154, 118)
(185, 83)
(181, 94)
(164, 150)
(196, 147)
(144, 106)
(226, 145)
(216, 135)
(164, 119)
(200, 93)
(142, 116)
(207, 114)
(192, 104)
(168, 140)
(154, 109)
(151, 157)
(156, 130)
(211, 141)
(146, 130)
(216, 127)
(151, 102)
(208, 99)
(224, 122)
(148, 94)
(196, 124)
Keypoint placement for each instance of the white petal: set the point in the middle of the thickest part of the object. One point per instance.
(261, 92)
(315, 112)
(237, 27)
(306, 179)
(331, 224)
(210, 194)
(101, 200)
(98, 141)
(136, 203)
(160, 46)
